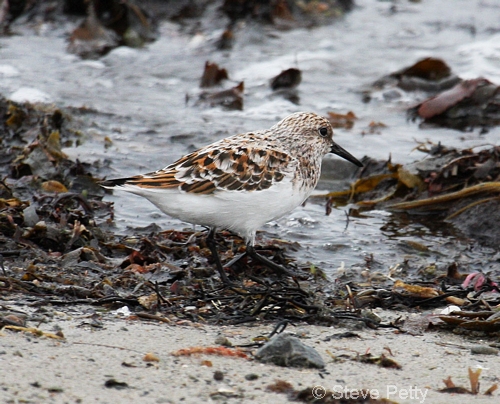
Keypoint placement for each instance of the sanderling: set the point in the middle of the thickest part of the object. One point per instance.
(242, 182)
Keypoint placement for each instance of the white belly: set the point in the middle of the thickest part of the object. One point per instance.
(240, 211)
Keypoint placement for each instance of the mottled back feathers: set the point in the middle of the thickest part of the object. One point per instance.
(225, 165)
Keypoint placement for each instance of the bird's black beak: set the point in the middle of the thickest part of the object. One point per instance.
(339, 151)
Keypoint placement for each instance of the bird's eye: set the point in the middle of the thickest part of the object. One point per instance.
(323, 132)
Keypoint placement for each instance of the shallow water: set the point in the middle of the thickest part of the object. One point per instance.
(141, 98)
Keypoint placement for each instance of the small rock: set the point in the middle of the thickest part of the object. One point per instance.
(112, 383)
(251, 376)
(483, 350)
(303, 333)
(286, 350)
(150, 357)
(371, 315)
(218, 375)
(224, 392)
(290, 78)
(14, 319)
(391, 95)
(30, 216)
(224, 341)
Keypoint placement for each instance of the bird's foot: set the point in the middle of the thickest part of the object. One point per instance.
(262, 260)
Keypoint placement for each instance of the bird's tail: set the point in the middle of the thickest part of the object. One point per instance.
(110, 184)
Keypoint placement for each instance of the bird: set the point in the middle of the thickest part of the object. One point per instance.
(241, 182)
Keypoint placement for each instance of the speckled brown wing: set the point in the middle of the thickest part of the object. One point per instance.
(234, 168)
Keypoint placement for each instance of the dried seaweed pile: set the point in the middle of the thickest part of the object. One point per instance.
(453, 186)
(169, 276)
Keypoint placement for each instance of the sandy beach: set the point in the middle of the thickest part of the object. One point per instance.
(105, 360)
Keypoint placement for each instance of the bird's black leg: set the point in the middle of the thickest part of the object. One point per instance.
(235, 260)
(267, 262)
(212, 245)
